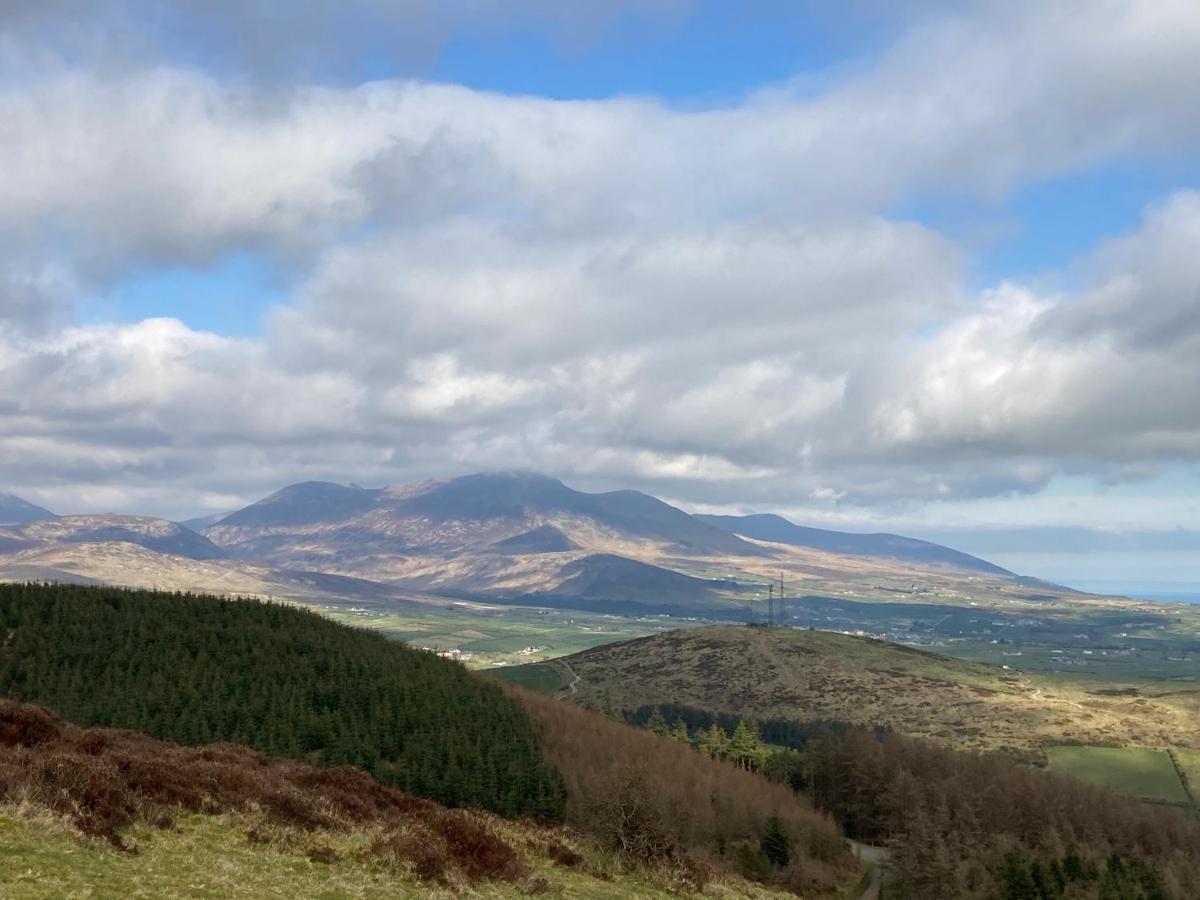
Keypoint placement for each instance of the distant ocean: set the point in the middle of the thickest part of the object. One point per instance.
(1164, 592)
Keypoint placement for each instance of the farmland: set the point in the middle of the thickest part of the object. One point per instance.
(483, 636)
(1134, 771)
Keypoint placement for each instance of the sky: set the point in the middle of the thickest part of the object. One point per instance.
(927, 267)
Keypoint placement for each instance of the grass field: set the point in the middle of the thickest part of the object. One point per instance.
(488, 636)
(542, 678)
(1135, 771)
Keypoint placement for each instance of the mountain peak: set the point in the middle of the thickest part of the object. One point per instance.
(15, 511)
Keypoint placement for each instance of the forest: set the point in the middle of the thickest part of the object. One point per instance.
(960, 824)
(279, 679)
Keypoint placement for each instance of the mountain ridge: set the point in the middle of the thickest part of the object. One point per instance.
(777, 529)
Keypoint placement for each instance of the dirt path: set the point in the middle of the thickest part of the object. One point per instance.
(571, 674)
(875, 857)
(1037, 695)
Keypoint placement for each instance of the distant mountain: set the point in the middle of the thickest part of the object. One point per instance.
(15, 511)
(504, 534)
(472, 512)
(307, 503)
(888, 546)
(153, 534)
(199, 523)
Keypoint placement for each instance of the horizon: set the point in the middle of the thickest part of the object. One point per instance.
(759, 260)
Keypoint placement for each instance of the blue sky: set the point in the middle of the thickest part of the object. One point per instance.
(925, 268)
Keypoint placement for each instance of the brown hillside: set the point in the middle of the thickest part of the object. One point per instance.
(807, 675)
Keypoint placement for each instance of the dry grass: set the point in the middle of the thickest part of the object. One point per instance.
(105, 812)
(803, 675)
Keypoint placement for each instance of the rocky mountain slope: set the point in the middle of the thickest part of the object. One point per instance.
(154, 534)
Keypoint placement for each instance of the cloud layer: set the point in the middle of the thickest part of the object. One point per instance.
(718, 304)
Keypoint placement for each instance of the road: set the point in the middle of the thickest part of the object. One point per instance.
(875, 857)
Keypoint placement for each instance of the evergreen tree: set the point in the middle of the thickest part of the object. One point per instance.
(745, 748)
(775, 844)
(283, 680)
(714, 742)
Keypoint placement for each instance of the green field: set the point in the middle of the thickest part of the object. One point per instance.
(1135, 771)
(542, 678)
(1189, 761)
(488, 636)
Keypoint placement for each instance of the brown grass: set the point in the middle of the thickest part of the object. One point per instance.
(105, 780)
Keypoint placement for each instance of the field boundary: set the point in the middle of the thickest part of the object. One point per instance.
(1183, 779)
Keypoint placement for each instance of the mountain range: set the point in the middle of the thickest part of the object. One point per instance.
(507, 537)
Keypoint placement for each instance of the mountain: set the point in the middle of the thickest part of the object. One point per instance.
(802, 675)
(498, 534)
(199, 523)
(158, 535)
(15, 511)
(474, 511)
(887, 546)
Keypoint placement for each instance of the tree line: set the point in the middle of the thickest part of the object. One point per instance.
(195, 669)
(961, 825)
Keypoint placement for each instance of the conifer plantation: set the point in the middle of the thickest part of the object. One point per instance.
(195, 669)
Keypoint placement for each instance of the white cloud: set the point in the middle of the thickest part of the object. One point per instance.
(705, 301)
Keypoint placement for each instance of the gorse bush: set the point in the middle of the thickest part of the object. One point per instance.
(279, 679)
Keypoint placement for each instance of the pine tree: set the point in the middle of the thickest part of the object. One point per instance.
(714, 742)
(775, 843)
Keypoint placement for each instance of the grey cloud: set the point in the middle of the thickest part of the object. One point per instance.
(275, 41)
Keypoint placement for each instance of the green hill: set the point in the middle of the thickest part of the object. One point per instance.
(276, 678)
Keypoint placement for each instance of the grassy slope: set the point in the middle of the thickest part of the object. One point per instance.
(809, 675)
(209, 857)
(103, 812)
(1134, 771)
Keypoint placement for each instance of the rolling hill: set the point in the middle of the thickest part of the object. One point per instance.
(282, 680)
(805, 675)
(288, 683)
(154, 534)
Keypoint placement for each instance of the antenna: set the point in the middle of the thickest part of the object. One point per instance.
(770, 604)
(782, 608)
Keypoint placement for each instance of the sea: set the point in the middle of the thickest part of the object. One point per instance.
(1161, 592)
